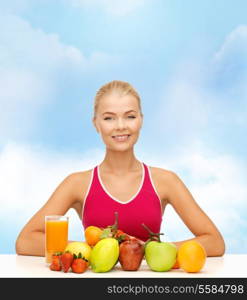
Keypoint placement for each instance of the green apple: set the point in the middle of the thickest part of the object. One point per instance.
(160, 256)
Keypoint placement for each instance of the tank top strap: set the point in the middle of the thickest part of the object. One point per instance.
(93, 183)
(148, 181)
(146, 174)
(96, 176)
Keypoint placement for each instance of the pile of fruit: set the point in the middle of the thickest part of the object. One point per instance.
(104, 248)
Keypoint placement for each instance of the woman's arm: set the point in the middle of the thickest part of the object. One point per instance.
(194, 217)
(31, 240)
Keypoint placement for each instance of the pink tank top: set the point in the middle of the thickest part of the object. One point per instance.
(144, 207)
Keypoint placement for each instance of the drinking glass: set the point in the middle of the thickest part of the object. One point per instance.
(56, 235)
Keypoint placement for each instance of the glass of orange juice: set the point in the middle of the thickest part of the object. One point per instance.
(56, 235)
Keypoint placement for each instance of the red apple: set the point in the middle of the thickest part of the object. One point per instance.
(131, 253)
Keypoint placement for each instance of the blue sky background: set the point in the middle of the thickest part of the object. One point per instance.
(187, 59)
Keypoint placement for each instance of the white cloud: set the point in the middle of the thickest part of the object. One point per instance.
(25, 47)
(229, 69)
(235, 43)
(203, 97)
(32, 62)
(29, 175)
(113, 7)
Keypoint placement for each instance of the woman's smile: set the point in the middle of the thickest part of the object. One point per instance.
(121, 138)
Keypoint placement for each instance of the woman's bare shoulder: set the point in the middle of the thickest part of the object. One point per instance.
(162, 179)
(81, 175)
(162, 175)
(80, 180)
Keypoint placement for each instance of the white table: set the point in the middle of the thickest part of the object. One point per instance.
(15, 266)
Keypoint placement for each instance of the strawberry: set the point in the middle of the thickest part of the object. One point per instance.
(55, 263)
(66, 260)
(79, 264)
(119, 232)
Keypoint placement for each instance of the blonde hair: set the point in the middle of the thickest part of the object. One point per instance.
(121, 87)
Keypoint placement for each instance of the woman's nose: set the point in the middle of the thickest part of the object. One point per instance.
(121, 123)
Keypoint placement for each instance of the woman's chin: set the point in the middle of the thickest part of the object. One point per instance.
(120, 148)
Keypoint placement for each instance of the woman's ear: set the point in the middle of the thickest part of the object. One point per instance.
(142, 117)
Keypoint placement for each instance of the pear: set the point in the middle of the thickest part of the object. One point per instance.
(104, 255)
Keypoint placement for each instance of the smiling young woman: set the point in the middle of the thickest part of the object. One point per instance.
(122, 183)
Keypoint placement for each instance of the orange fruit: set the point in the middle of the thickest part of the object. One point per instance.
(191, 256)
(92, 235)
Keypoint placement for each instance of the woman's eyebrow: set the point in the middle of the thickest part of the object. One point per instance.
(112, 113)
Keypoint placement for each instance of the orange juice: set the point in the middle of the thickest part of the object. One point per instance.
(56, 235)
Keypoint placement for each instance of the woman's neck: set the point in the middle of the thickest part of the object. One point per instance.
(120, 163)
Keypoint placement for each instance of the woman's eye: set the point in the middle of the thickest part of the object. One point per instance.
(110, 118)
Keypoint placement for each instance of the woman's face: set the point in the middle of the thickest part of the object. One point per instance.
(118, 120)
